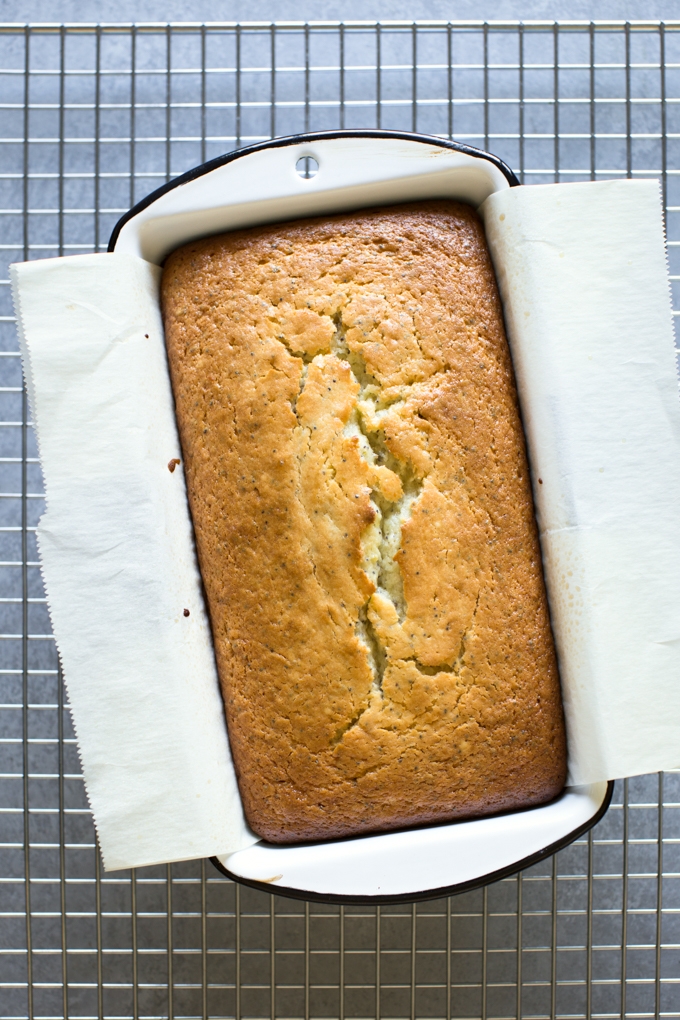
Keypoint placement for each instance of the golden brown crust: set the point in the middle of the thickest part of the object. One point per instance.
(344, 389)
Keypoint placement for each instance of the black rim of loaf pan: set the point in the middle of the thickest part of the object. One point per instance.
(312, 136)
(429, 894)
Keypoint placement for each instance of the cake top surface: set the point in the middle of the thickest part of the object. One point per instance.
(364, 519)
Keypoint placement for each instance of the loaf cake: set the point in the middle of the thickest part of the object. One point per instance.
(358, 482)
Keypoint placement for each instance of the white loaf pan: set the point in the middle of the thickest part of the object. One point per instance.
(257, 185)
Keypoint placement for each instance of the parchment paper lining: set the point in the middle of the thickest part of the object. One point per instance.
(583, 277)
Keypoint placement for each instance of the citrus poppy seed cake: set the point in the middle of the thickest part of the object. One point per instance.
(358, 483)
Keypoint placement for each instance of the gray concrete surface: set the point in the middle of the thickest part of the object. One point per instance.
(319, 10)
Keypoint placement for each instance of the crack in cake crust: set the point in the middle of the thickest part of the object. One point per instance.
(381, 540)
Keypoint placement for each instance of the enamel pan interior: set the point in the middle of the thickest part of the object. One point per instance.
(260, 184)
(420, 864)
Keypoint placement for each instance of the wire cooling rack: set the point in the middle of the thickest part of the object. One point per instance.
(93, 118)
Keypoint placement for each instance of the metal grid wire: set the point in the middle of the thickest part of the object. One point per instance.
(93, 118)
